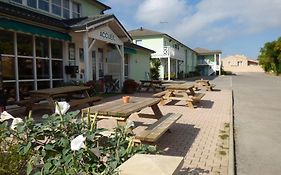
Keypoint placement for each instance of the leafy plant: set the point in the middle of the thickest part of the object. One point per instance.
(10, 161)
(154, 70)
(270, 56)
(71, 144)
(130, 86)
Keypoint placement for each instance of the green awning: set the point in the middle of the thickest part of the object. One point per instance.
(26, 28)
(129, 50)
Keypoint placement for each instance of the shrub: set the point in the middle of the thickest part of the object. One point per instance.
(10, 161)
(95, 86)
(130, 86)
(154, 70)
(70, 144)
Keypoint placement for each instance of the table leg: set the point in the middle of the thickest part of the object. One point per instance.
(156, 111)
(191, 91)
(123, 123)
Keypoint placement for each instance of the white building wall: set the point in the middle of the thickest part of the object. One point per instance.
(155, 44)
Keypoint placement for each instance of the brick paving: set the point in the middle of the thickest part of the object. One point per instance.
(201, 135)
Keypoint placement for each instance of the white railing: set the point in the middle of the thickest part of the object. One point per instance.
(173, 53)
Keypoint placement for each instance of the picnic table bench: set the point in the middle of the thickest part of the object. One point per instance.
(151, 84)
(55, 94)
(120, 111)
(181, 92)
(204, 83)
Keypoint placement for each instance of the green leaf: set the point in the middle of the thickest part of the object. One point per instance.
(47, 167)
(29, 167)
(49, 147)
(26, 148)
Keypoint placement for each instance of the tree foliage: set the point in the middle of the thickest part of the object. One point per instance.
(270, 56)
(154, 70)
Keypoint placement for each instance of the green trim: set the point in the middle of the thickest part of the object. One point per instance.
(34, 30)
(130, 50)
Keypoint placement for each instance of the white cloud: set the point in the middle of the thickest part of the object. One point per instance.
(153, 12)
(244, 16)
(121, 3)
(212, 19)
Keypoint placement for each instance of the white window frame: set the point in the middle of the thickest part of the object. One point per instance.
(50, 10)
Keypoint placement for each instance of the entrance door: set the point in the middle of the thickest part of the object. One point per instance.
(100, 57)
(94, 65)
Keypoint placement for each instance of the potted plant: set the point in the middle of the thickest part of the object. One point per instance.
(130, 86)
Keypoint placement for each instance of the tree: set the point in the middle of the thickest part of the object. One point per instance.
(154, 70)
(270, 56)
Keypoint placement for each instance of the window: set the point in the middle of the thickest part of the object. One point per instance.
(17, 1)
(8, 64)
(42, 68)
(6, 42)
(126, 65)
(76, 10)
(56, 7)
(66, 10)
(42, 47)
(26, 71)
(56, 47)
(57, 68)
(24, 49)
(32, 3)
(43, 5)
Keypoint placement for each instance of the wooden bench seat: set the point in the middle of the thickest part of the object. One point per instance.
(153, 132)
(198, 96)
(159, 94)
(210, 87)
(78, 102)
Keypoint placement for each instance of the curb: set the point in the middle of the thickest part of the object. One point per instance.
(231, 158)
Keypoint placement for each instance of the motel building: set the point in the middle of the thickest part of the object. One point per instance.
(44, 44)
(177, 59)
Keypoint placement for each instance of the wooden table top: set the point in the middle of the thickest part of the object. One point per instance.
(179, 87)
(117, 108)
(199, 81)
(151, 81)
(60, 90)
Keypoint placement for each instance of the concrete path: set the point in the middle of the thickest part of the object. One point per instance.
(257, 122)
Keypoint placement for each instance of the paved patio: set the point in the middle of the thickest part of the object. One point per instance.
(201, 135)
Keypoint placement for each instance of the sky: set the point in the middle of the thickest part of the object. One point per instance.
(232, 26)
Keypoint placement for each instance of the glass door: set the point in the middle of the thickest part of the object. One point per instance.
(101, 63)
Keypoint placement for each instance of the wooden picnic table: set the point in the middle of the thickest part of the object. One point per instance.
(121, 111)
(52, 94)
(204, 83)
(181, 92)
(151, 84)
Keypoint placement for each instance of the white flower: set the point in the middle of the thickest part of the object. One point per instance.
(5, 116)
(62, 107)
(15, 122)
(77, 143)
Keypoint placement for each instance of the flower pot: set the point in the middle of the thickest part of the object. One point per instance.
(126, 99)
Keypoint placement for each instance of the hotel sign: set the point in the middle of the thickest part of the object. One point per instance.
(105, 34)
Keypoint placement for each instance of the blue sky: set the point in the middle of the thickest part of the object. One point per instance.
(235, 27)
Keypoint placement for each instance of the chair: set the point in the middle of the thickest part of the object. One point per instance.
(111, 85)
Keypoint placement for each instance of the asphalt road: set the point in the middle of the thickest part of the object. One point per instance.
(257, 122)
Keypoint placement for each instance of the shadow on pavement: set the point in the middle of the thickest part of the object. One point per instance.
(179, 140)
